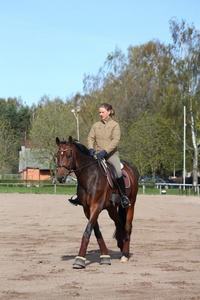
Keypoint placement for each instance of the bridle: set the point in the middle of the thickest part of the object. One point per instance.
(70, 170)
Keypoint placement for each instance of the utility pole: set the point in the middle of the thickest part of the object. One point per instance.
(184, 142)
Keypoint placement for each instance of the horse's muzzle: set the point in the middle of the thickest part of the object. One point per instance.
(61, 179)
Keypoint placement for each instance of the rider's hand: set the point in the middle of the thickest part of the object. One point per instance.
(91, 152)
(101, 154)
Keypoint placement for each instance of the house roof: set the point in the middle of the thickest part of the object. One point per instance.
(29, 158)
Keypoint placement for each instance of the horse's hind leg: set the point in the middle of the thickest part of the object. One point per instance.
(104, 258)
(119, 226)
(128, 229)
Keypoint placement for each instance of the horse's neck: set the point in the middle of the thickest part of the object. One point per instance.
(81, 163)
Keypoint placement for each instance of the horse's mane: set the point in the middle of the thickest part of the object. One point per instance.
(82, 148)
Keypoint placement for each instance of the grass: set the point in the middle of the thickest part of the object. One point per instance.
(155, 191)
(70, 190)
(173, 192)
(49, 189)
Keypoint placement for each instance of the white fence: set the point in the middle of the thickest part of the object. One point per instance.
(183, 188)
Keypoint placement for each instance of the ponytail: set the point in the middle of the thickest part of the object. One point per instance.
(108, 107)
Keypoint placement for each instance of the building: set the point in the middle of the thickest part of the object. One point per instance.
(29, 166)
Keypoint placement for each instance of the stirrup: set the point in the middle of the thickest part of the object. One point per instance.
(125, 201)
(74, 201)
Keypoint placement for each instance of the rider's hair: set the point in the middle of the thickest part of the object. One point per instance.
(108, 107)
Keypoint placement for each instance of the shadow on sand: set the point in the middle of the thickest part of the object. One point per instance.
(93, 256)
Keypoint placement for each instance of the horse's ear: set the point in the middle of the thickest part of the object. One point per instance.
(57, 141)
(70, 140)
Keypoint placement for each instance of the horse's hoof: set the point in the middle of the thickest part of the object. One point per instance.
(105, 260)
(124, 259)
(79, 263)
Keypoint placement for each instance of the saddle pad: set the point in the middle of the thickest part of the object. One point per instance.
(109, 177)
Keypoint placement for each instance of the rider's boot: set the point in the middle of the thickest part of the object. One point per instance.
(122, 191)
(74, 201)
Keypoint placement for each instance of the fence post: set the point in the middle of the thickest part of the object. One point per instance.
(55, 188)
(143, 186)
(7, 188)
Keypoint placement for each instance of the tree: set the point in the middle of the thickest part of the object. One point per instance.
(186, 49)
(151, 145)
(150, 71)
(18, 118)
(54, 118)
(8, 157)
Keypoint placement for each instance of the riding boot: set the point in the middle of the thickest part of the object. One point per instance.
(74, 201)
(122, 191)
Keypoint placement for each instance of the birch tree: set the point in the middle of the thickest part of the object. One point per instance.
(186, 50)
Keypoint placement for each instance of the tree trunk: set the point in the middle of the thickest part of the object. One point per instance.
(194, 141)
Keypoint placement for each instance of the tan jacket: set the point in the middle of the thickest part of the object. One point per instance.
(104, 135)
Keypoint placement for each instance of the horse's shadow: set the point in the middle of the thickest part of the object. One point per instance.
(93, 256)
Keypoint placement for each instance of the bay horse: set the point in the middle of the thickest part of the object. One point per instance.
(94, 191)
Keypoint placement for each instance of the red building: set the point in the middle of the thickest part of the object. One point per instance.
(30, 166)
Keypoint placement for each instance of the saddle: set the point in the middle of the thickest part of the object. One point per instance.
(112, 180)
(112, 175)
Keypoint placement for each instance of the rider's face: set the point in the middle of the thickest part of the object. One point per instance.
(104, 114)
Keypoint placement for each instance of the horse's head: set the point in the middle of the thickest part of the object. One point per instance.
(65, 159)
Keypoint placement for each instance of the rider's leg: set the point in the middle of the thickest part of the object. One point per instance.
(115, 161)
(122, 190)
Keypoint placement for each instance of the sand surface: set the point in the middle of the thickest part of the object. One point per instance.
(40, 236)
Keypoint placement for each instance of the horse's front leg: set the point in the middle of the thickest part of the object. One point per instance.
(80, 259)
(104, 258)
(92, 214)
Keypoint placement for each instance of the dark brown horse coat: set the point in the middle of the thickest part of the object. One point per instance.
(94, 192)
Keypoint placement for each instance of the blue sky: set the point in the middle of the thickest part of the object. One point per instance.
(48, 45)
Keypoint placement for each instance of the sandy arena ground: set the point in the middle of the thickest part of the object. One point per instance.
(40, 236)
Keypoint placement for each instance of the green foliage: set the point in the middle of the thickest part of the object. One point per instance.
(152, 145)
(186, 52)
(8, 147)
(22, 181)
(16, 114)
(54, 119)
(15, 124)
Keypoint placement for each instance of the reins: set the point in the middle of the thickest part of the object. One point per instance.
(70, 170)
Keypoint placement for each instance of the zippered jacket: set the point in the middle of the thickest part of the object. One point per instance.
(104, 135)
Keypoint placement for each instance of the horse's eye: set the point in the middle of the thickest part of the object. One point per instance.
(68, 156)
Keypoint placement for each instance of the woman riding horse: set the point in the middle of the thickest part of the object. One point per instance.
(94, 191)
(104, 136)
